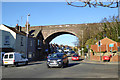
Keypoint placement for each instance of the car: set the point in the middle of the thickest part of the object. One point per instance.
(57, 60)
(14, 58)
(107, 58)
(75, 57)
(48, 55)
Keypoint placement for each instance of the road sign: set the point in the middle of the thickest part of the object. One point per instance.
(46, 50)
(111, 45)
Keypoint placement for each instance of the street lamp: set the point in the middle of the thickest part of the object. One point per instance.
(27, 24)
(27, 37)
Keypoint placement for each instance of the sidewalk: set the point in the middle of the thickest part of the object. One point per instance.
(98, 62)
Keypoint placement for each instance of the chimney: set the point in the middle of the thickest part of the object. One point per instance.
(28, 26)
(17, 27)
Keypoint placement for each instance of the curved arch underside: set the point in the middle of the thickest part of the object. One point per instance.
(51, 37)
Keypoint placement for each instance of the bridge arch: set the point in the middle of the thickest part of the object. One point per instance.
(51, 36)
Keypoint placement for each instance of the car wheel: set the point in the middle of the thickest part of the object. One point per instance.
(48, 66)
(16, 64)
(6, 65)
(67, 64)
(26, 63)
(62, 66)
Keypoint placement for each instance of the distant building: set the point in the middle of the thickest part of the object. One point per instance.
(106, 45)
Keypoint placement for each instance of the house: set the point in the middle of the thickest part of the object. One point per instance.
(15, 40)
(12, 39)
(107, 45)
(38, 39)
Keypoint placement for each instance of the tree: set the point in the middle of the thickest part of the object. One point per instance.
(90, 42)
(94, 3)
(111, 28)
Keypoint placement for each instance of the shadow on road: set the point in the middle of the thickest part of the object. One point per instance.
(72, 64)
(81, 59)
(33, 63)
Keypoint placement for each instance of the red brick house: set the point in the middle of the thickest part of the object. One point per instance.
(105, 45)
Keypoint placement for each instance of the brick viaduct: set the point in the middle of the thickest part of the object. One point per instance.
(52, 31)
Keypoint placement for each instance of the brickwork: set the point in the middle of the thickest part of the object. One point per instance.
(115, 58)
(105, 46)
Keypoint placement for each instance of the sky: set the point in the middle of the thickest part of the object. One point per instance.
(53, 13)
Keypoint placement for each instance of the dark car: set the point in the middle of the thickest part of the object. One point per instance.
(57, 60)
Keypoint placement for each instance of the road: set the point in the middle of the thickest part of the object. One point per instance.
(76, 69)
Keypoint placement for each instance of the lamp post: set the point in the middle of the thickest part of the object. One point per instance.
(82, 42)
(119, 15)
(27, 37)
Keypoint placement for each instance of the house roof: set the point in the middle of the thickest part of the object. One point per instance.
(16, 31)
(106, 41)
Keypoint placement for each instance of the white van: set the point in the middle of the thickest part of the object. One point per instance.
(14, 58)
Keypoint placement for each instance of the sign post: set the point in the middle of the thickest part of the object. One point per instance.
(99, 45)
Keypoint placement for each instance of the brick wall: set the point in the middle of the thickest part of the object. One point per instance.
(115, 58)
(95, 48)
(97, 58)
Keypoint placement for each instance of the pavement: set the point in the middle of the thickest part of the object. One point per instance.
(99, 62)
(96, 62)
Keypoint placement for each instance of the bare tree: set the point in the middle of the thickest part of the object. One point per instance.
(94, 3)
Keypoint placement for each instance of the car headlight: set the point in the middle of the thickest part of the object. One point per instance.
(48, 59)
(59, 60)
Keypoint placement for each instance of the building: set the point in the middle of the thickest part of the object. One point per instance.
(106, 45)
(38, 41)
(12, 39)
(15, 40)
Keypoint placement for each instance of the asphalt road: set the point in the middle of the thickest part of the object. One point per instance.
(76, 69)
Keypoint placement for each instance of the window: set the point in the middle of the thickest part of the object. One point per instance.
(30, 55)
(21, 41)
(31, 43)
(11, 56)
(6, 56)
(38, 42)
(7, 40)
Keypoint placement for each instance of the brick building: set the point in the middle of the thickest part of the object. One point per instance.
(105, 46)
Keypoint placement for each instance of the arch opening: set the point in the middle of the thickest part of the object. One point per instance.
(54, 35)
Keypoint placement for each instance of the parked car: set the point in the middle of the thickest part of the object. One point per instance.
(14, 58)
(75, 57)
(57, 60)
(107, 58)
(69, 54)
(72, 53)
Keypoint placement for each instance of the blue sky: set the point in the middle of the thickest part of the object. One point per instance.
(52, 13)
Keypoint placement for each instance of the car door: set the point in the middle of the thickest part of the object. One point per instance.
(65, 58)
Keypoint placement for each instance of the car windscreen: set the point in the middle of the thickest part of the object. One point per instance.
(6, 56)
(56, 56)
(11, 56)
(75, 55)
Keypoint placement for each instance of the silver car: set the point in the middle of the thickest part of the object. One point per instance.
(57, 60)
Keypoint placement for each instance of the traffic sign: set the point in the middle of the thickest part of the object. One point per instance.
(46, 50)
